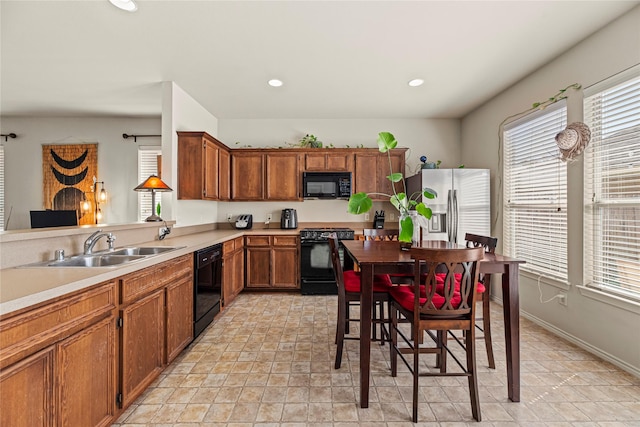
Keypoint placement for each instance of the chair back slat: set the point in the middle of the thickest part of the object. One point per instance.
(380, 234)
(475, 241)
(334, 246)
(449, 278)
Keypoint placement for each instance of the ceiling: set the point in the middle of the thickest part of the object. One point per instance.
(338, 59)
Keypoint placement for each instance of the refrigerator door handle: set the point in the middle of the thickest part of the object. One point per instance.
(449, 216)
(455, 213)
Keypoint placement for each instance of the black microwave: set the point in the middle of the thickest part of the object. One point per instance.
(326, 185)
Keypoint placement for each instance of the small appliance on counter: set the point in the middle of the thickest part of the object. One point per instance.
(244, 222)
(378, 220)
(289, 219)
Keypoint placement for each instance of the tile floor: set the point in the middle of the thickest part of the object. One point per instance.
(267, 361)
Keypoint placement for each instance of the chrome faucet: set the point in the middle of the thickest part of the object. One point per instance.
(93, 239)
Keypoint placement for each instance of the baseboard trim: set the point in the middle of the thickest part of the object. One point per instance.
(633, 370)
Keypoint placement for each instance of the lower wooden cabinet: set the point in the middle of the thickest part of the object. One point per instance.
(272, 262)
(142, 345)
(232, 269)
(26, 391)
(86, 369)
(81, 359)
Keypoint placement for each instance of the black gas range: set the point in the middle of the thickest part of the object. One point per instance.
(316, 271)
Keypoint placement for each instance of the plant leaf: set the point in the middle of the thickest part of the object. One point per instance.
(398, 201)
(429, 193)
(395, 177)
(359, 203)
(386, 141)
(406, 229)
(423, 210)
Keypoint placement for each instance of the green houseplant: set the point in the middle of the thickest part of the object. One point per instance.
(360, 203)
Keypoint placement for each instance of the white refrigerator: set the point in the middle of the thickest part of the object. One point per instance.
(462, 205)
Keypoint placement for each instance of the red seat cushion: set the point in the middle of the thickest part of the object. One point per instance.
(440, 279)
(381, 282)
(404, 296)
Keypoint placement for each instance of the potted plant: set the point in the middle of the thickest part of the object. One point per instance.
(407, 206)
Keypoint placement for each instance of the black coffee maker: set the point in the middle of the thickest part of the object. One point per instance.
(289, 218)
(378, 220)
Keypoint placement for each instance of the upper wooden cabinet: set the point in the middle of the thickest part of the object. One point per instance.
(265, 174)
(372, 169)
(329, 160)
(203, 167)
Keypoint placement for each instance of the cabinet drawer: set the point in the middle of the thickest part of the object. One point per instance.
(285, 240)
(35, 329)
(228, 247)
(257, 241)
(134, 285)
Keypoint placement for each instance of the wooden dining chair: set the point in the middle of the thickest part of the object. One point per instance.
(484, 292)
(441, 304)
(387, 234)
(380, 234)
(349, 286)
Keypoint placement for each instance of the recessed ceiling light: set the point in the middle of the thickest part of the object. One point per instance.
(128, 5)
(416, 82)
(275, 83)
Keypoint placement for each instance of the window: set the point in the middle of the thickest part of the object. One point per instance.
(535, 193)
(612, 186)
(1, 187)
(148, 160)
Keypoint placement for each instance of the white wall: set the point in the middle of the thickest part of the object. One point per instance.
(608, 329)
(434, 138)
(117, 160)
(180, 112)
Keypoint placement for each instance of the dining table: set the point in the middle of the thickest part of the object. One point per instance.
(387, 257)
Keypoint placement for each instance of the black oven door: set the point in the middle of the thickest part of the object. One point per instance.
(316, 271)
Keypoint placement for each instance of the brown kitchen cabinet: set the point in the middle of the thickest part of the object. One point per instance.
(159, 301)
(272, 262)
(266, 175)
(49, 357)
(232, 269)
(330, 160)
(372, 169)
(203, 167)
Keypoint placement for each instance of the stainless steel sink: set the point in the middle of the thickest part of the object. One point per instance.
(95, 260)
(108, 258)
(149, 250)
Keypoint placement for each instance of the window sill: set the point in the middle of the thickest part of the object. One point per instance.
(619, 302)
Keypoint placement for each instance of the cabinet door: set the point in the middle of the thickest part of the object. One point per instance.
(210, 176)
(224, 178)
(284, 267)
(26, 391)
(366, 173)
(315, 162)
(247, 176)
(238, 280)
(258, 267)
(340, 162)
(179, 316)
(142, 344)
(283, 176)
(86, 373)
(397, 165)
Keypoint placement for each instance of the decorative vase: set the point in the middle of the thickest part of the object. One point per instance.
(416, 220)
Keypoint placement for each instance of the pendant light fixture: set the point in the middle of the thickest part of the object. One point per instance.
(128, 5)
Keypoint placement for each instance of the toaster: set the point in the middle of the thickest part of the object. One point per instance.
(244, 222)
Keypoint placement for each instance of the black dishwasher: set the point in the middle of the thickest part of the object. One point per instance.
(207, 287)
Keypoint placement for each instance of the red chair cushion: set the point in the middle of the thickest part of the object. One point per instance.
(404, 296)
(381, 282)
(440, 279)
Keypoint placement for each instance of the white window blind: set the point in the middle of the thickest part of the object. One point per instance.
(612, 186)
(535, 193)
(1, 187)
(148, 158)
